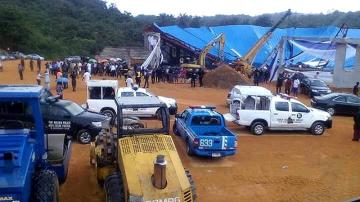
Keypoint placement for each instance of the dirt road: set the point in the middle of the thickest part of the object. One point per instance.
(278, 166)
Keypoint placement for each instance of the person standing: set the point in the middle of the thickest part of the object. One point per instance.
(138, 77)
(47, 79)
(316, 76)
(256, 77)
(295, 88)
(60, 90)
(31, 65)
(38, 78)
(356, 89)
(38, 61)
(288, 86)
(86, 77)
(21, 71)
(22, 61)
(129, 81)
(1, 66)
(201, 76)
(279, 83)
(193, 78)
(356, 126)
(146, 78)
(73, 79)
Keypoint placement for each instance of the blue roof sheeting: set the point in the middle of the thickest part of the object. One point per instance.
(242, 37)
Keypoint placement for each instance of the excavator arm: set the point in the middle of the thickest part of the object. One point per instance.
(244, 63)
(220, 39)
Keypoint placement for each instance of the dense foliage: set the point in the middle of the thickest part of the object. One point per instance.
(56, 28)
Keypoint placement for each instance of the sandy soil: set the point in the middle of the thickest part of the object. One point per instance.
(278, 166)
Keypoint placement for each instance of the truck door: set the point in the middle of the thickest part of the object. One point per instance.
(280, 115)
(300, 115)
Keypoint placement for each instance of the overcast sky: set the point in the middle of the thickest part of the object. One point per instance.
(249, 7)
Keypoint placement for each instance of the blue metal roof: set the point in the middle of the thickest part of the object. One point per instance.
(20, 91)
(242, 37)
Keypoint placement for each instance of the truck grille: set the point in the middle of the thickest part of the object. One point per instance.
(187, 196)
(146, 144)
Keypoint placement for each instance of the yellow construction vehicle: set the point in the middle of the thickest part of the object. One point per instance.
(244, 63)
(141, 164)
(220, 39)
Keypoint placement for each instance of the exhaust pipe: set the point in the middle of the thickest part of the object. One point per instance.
(159, 176)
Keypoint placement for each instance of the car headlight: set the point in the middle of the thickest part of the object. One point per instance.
(97, 124)
(314, 90)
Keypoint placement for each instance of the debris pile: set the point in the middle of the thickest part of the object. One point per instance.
(224, 77)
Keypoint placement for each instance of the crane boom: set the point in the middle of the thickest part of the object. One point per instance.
(244, 63)
(220, 39)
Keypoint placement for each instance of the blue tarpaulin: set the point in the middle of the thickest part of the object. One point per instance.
(241, 38)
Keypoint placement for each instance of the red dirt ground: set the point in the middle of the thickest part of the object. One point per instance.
(278, 166)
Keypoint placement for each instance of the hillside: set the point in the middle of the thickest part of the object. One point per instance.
(57, 28)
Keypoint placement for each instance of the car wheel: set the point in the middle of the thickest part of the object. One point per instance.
(84, 137)
(189, 151)
(109, 113)
(317, 128)
(331, 111)
(258, 128)
(175, 130)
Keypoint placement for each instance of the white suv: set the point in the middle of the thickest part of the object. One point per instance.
(101, 96)
(141, 92)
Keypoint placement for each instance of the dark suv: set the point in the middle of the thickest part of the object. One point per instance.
(314, 87)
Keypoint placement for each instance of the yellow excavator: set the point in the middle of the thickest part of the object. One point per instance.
(243, 65)
(220, 39)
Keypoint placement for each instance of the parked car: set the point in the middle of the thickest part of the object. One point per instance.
(34, 57)
(314, 87)
(337, 103)
(18, 55)
(143, 92)
(238, 91)
(64, 116)
(204, 132)
(280, 112)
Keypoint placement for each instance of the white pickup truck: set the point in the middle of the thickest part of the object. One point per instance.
(278, 113)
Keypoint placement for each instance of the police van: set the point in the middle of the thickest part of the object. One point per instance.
(281, 112)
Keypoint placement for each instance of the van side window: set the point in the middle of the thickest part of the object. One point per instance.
(127, 94)
(95, 92)
(282, 106)
(109, 93)
(296, 107)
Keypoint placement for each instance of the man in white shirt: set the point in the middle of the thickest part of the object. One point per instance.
(129, 82)
(86, 77)
(295, 88)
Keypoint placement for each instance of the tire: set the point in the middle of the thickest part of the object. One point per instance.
(114, 188)
(257, 128)
(175, 130)
(137, 125)
(45, 187)
(84, 136)
(331, 111)
(192, 185)
(317, 128)
(109, 113)
(189, 151)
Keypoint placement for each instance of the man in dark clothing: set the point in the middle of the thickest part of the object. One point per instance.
(356, 89)
(73, 80)
(146, 78)
(356, 126)
(21, 71)
(279, 83)
(193, 78)
(201, 75)
(138, 77)
(22, 61)
(38, 64)
(31, 65)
